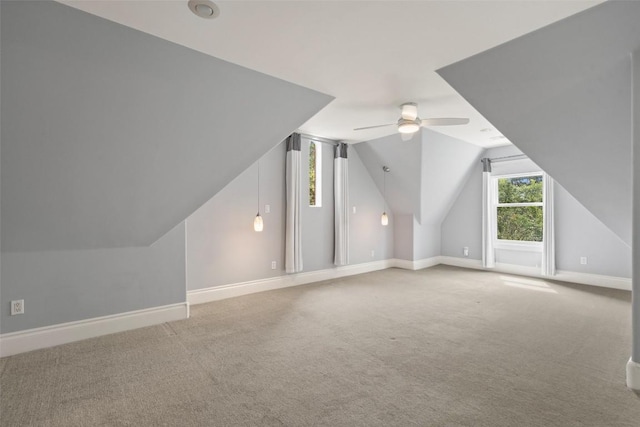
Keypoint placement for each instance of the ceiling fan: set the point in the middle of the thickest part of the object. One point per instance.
(409, 122)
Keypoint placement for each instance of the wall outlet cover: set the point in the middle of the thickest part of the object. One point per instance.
(17, 307)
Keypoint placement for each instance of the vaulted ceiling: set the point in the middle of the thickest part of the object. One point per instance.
(370, 55)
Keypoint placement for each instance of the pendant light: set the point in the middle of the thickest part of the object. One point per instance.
(258, 225)
(384, 219)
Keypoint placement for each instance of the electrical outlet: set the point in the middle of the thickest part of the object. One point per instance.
(373, 253)
(583, 260)
(354, 209)
(267, 208)
(273, 265)
(465, 251)
(17, 307)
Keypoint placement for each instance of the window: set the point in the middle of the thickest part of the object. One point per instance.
(315, 174)
(519, 210)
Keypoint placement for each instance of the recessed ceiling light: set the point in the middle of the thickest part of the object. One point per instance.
(486, 130)
(496, 138)
(204, 8)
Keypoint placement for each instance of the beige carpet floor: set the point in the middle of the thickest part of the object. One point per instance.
(437, 347)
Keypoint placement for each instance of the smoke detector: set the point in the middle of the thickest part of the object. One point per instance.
(204, 8)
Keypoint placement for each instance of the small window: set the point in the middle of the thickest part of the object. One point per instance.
(519, 208)
(315, 174)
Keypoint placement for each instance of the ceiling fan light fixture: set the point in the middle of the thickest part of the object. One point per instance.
(408, 126)
(409, 111)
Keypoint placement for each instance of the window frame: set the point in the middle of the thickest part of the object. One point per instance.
(516, 245)
(318, 174)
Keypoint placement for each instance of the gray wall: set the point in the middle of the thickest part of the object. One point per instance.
(403, 180)
(578, 232)
(65, 286)
(462, 226)
(446, 163)
(426, 240)
(110, 139)
(426, 177)
(403, 236)
(562, 95)
(366, 232)
(222, 247)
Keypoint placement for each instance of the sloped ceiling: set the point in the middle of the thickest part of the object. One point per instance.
(426, 174)
(562, 95)
(370, 55)
(111, 137)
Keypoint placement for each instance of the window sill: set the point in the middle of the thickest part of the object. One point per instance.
(513, 245)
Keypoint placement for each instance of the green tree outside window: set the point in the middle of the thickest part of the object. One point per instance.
(519, 209)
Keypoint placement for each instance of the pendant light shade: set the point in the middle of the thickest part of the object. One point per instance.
(258, 225)
(384, 219)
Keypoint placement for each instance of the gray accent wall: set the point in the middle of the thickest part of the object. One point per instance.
(111, 137)
(223, 249)
(562, 95)
(65, 286)
(578, 232)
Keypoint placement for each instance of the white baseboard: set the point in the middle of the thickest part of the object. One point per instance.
(461, 262)
(415, 265)
(633, 375)
(49, 336)
(612, 282)
(216, 293)
(602, 281)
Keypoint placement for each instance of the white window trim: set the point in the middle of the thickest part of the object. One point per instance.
(513, 245)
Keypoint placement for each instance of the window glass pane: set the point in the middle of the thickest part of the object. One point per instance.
(522, 189)
(522, 223)
(312, 174)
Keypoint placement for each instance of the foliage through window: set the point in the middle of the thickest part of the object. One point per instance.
(315, 174)
(519, 208)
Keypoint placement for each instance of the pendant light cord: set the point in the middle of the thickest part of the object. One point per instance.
(258, 186)
(384, 190)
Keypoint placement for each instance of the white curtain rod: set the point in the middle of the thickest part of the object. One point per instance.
(319, 139)
(506, 158)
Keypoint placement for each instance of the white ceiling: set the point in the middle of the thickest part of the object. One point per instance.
(370, 55)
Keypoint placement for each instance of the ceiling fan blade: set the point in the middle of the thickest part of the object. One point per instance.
(406, 137)
(377, 126)
(409, 110)
(444, 121)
